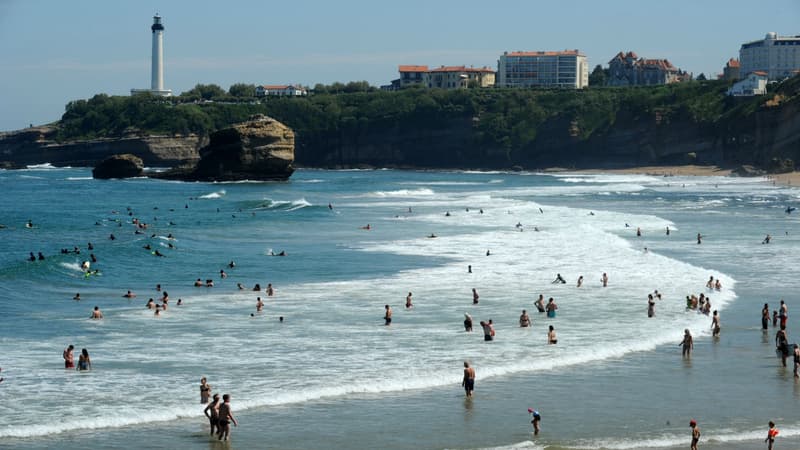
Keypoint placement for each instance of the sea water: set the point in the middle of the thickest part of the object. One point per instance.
(331, 375)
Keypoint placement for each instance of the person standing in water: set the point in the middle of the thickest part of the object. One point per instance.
(96, 314)
(487, 331)
(524, 319)
(580, 281)
(687, 343)
(475, 296)
(69, 359)
(205, 391)
(468, 383)
(651, 305)
(796, 361)
(782, 345)
(604, 279)
(715, 326)
(765, 317)
(551, 308)
(408, 301)
(387, 316)
(535, 419)
(695, 434)
(772, 433)
(467, 322)
(552, 339)
(84, 362)
(225, 418)
(699, 238)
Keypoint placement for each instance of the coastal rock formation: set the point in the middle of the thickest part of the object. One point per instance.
(260, 149)
(119, 166)
(38, 145)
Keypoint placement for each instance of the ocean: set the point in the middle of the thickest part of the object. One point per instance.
(331, 375)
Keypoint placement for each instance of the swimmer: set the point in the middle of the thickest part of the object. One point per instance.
(782, 345)
(158, 310)
(41, 257)
(467, 322)
(687, 343)
(147, 247)
(209, 283)
(231, 264)
(638, 232)
(112, 237)
(205, 391)
(552, 339)
(559, 279)
(129, 294)
(475, 296)
(796, 354)
(447, 214)
(468, 383)
(222, 274)
(32, 257)
(180, 302)
(257, 287)
(239, 285)
(366, 227)
(408, 301)
(270, 291)
(783, 314)
(96, 314)
(157, 253)
(212, 412)
(77, 296)
(710, 284)
(29, 224)
(150, 304)
(387, 316)
(717, 285)
(198, 283)
(524, 319)
(766, 239)
(259, 305)
(158, 288)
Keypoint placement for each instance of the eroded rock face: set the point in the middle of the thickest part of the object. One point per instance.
(260, 149)
(119, 166)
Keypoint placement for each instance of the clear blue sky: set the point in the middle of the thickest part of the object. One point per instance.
(55, 51)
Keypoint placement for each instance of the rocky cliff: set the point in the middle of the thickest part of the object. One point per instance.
(37, 145)
(260, 149)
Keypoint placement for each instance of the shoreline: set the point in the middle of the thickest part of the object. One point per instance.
(782, 179)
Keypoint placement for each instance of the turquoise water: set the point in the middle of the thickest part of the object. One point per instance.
(331, 375)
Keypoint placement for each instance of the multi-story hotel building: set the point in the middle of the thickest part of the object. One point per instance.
(567, 69)
(778, 56)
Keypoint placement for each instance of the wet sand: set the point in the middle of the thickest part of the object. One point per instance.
(783, 179)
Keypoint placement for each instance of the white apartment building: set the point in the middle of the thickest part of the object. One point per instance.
(778, 56)
(568, 69)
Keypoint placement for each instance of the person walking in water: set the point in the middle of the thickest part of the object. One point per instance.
(715, 326)
(687, 343)
(468, 383)
(212, 412)
(772, 433)
(225, 418)
(695, 434)
(651, 305)
(475, 296)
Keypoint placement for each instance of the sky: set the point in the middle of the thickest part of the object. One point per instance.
(52, 52)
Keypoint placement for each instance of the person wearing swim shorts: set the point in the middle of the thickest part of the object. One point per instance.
(388, 315)
(225, 418)
(551, 308)
(468, 383)
(552, 339)
(695, 434)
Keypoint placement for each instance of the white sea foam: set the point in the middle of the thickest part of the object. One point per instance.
(406, 193)
(217, 194)
(45, 166)
(79, 178)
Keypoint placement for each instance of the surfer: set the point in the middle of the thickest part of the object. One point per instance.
(687, 343)
(469, 268)
(638, 232)
(367, 227)
(524, 319)
(29, 224)
(468, 383)
(767, 239)
(432, 235)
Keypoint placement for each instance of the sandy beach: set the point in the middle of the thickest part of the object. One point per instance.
(784, 179)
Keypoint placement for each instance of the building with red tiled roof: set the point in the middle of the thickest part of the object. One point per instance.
(755, 83)
(446, 77)
(563, 69)
(731, 70)
(628, 69)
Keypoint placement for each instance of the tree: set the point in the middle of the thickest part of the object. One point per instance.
(242, 90)
(702, 77)
(598, 77)
(205, 91)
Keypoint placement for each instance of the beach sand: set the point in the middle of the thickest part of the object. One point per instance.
(783, 179)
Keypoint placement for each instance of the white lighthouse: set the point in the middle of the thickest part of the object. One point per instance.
(157, 62)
